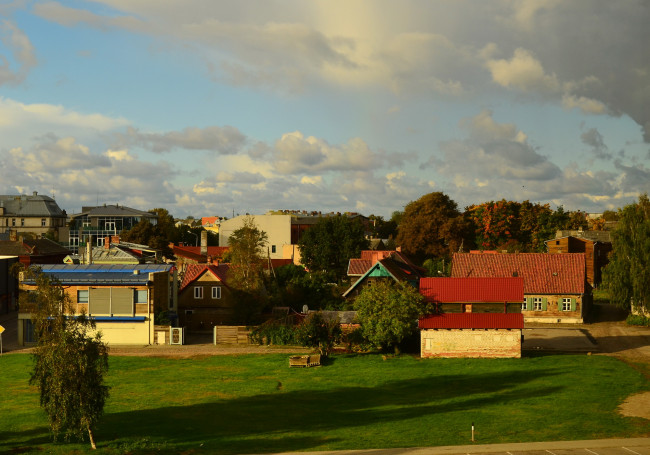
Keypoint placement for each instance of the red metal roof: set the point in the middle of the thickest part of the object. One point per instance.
(542, 273)
(358, 267)
(472, 321)
(468, 290)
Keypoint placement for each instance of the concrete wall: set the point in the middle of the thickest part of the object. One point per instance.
(470, 343)
(277, 228)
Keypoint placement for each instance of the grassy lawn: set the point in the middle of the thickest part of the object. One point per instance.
(253, 404)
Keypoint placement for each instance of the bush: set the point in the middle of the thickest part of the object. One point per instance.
(273, 333)
(316, 331)
(636, 319)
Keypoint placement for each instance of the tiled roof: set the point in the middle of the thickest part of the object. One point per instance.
(194, 252)
(375, 255)
(542, 273)
(358, 267)
(468, 290)
(472, 321)
(194, 271)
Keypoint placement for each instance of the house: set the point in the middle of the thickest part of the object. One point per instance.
(555, 285)
(121, 299)
(36, 214)
(94, 224)
(474, 294)
(33, 250)
(204, 298)
(8, 284)
(471, 335)
(596, 246)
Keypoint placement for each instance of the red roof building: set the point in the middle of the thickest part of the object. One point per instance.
(555, 285)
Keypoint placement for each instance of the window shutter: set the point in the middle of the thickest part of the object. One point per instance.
(529, 303)
(544, 303)
(573, 304)
(99, 302)
(122, 301)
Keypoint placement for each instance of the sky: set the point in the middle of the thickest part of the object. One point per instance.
(212, 107)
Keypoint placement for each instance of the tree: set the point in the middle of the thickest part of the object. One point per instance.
(329, 244)
(318, 332)
(432, 226)
(389, 311)
(69, 363)
(627, 276)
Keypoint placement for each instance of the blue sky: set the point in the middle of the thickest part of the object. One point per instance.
(206, 107)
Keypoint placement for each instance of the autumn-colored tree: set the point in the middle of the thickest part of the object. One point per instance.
(431, 226)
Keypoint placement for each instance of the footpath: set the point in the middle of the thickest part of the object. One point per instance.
(631, 446)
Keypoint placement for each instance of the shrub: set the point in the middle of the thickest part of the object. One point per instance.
(273, 333)
(637, 319)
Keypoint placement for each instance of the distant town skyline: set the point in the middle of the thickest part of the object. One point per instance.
(205, 107)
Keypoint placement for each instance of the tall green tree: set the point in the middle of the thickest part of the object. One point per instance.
(432, 226)
(69, 362)
(389, 311)
(627, 276)
(329, 244)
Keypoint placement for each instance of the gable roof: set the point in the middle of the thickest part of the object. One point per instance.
(472, 321)
(358, 267)
(542, 273)
(195, 271)
(471, 290)
(387, 267)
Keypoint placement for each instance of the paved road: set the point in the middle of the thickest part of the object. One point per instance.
(637, 446)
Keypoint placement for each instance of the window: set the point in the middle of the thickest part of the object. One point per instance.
(537, 303)
(140, 296)
(568, 304)
(216, 292)
(22, 221)
(43, 222)
(29, 332)
(272, 248)
(82, 296)
(198, 292)
(13, 221)
(524, 304)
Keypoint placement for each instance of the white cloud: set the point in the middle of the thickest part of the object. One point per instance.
(225, 140)
(16, 47)
(524, 72)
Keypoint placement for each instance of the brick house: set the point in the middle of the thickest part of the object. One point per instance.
(122, 299)
(596, 246)
(555, 285)
(204, 299)
(471, 335)
(474, 294)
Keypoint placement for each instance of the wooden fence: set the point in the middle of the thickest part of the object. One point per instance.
(231, 334)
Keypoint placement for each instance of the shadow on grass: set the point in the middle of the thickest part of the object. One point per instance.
(279, 422)
(24, 441)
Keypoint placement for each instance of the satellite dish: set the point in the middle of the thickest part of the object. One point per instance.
(305, 309)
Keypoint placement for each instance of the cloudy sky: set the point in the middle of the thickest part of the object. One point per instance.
(206, 107)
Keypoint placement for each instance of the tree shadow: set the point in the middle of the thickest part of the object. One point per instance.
(278, 422)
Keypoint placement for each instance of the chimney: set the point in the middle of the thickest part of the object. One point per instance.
(115, 239)
(13, 235)
(204, 242)
(35, 193)
(107, 243)
(398, 249)
(89, 250)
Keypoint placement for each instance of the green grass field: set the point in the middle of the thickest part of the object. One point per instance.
(253, 404)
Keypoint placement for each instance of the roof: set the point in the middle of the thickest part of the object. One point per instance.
(32, 247)
(542, 273)
(34, 205)
(472, 321)
(114, 254)
(104, 274)
(358, 267)
(387, 267)
(594, 236)
(114, 210)
(194, 271)
(194, 252)
(468, 290)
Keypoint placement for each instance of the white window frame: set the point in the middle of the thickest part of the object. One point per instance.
(79, 300)
(524, 305)
(216, 292)
(198, 292)
(566, 304)
(538, 304)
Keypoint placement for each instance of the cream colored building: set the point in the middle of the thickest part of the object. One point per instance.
(121, 299)
(35, 214)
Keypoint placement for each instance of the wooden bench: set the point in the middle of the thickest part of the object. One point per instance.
(304, 361)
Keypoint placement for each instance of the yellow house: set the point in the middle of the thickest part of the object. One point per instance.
(121, 299)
